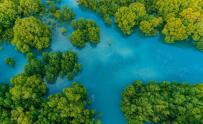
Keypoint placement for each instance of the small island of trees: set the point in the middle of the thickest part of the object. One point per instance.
(10, 61)
(84, 31)
(52, 65)
(165, 103)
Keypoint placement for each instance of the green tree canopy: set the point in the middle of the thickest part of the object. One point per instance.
(126, 19)
(24, 102)
(150, 25)
(52, 65)
(174, 30)
(30, 7)
(84, 31)
(30, 33)
(163, 102)
(178, 20)
(68, 107)
(8, 14)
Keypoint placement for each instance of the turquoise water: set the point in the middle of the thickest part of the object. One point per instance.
(116, 62)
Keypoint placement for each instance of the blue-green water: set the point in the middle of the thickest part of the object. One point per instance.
(116, 62)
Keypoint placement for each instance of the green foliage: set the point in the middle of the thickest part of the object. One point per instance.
(65, 14)
(138, 8)
(128, 17)
(174, 30)
(10, 10)
(150, 25)
(85, 31)
(162, 103)
(34, 66)
(106, 8)
(27, 88)
(63, 30)
(8, 14)
(30, 7)
(5, 105)
(53, 65)
(31, 33)
(78, 38)
(24, 102)
(63, 64)
(10, 61)
(177, 19)
(68, 107)
(61, 14)
(193, 20)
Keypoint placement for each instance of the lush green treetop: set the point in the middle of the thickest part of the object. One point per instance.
(178, 20)
(68, 107)
(27, 87)
(10, 10)
(24, 102)
(163, 102)
(30, 33)
(85, 30)
(30, 7)
(52, 65)
(150, 25)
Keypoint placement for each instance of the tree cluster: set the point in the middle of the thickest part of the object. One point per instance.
(60, 14)
(165, 102)
(84, 31)
(128, 17)
(30, 33)
(178, 20)
(106, 8)
(25, 102)
(19, 23)
(52, 65)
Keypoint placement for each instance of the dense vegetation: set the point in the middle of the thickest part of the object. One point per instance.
(84, 31)
(52, 65)
(29, 33)
(19, 24)
(10, 10)
(23, 103)
(165, 103)
(60, 13)
(177, 19)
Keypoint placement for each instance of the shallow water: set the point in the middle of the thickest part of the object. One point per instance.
(116, 62)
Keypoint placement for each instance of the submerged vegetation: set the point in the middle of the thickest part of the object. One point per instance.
(10, 61)
(165, 102)
(178, 20)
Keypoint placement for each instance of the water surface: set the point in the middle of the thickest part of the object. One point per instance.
(116, 62)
